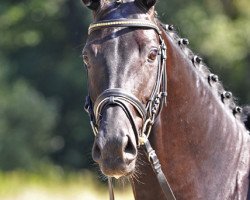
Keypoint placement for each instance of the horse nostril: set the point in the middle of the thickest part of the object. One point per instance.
(96, 152)
(129, 150)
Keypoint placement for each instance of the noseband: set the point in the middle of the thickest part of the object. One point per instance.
(122, 98)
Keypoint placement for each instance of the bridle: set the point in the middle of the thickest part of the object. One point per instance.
(120, 97)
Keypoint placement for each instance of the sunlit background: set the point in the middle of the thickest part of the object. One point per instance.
(45, 139)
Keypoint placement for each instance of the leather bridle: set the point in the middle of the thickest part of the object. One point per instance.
(120, 97)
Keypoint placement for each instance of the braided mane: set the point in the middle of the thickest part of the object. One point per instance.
(242, 115)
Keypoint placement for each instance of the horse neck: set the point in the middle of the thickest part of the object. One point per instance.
(202, 147)
(198, 138)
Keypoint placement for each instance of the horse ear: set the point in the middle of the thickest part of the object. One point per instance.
(146, 3)
(92, 4)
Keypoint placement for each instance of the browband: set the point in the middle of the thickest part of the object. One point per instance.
(124, 23)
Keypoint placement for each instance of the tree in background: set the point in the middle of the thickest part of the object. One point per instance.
(40, 45)
(43, 81)
(26, 123)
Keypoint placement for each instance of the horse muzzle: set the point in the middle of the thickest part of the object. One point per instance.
(115, 148)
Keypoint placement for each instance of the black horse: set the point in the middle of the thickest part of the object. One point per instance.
(146, 86)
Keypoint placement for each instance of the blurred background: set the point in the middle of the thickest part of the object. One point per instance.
(45, 137)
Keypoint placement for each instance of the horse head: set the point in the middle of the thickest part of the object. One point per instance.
(123, 68)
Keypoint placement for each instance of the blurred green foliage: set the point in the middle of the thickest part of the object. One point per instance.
(42, 84)
(43, 81)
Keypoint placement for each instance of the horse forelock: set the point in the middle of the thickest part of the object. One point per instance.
(117, 9)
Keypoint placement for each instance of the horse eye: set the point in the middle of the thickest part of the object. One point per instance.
(85, 59)
(152, 55)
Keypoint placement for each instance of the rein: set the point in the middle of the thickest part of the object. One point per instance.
(119, 97)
